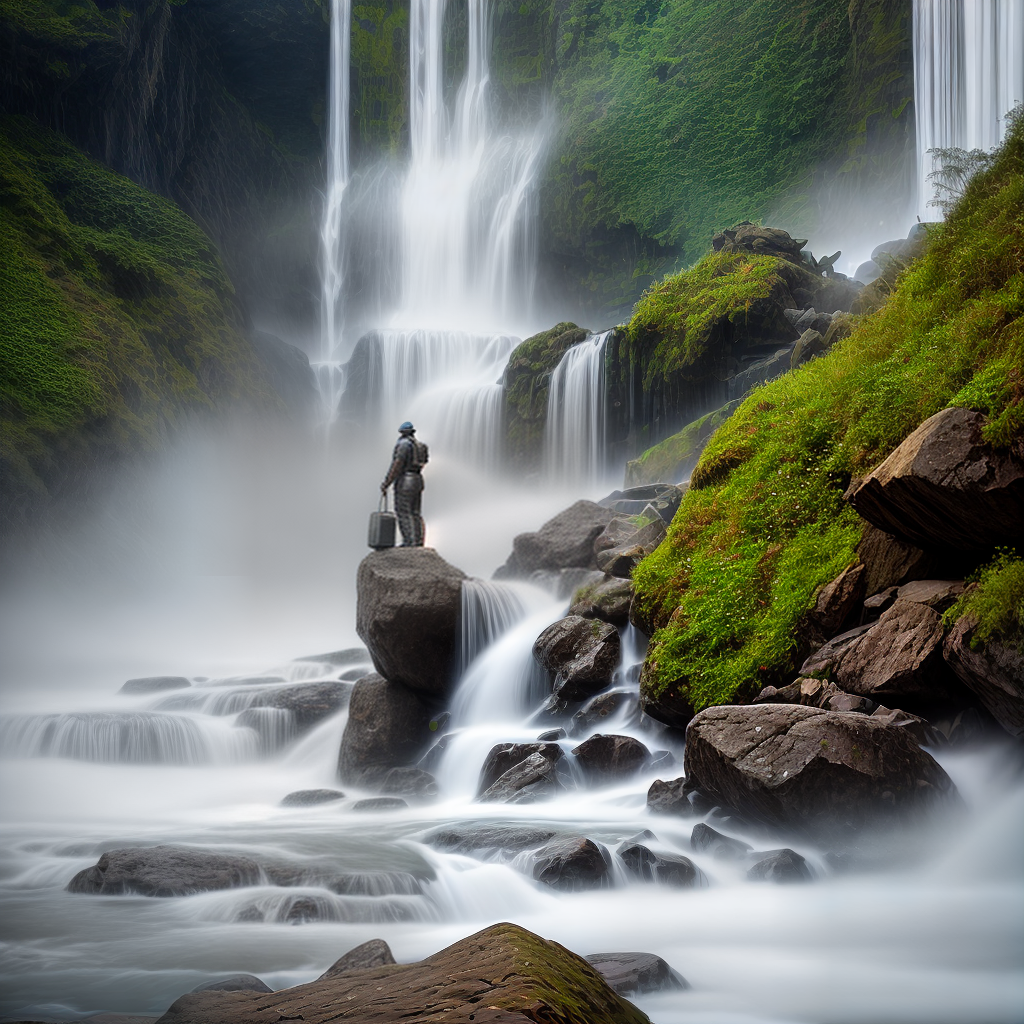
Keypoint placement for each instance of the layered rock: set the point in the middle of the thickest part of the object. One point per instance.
(532, 779)
(993, 670)
(504, 756)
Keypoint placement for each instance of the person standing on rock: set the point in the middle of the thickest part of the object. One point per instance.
(407, 462)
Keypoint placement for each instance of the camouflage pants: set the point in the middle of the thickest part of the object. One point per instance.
(408, 496)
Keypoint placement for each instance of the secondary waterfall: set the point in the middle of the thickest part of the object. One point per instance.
(968, 73)
(575, 434)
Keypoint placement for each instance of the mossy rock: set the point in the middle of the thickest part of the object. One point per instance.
(526, 381)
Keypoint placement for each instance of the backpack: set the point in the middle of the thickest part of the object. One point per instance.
(421, 455)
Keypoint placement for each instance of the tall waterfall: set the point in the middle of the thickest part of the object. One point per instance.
(575, 437)
(332, 242)
(968, 72)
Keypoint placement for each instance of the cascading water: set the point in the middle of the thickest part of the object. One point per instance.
(575, 433)
(968, 73)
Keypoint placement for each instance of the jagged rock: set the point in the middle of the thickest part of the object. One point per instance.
(532, 779)
(664, 498)
(310, 797)
(621, 562)
(409, 781)
(507, 755)
(581, 653)
(917, 728)
(571, 863)
(309, 703)
(380, 803)
(551, 735)
(749, 237)
(600, 708)
(408, 608)
(889, 561)
(629, 973)
(824, 773)
(610, 758)
(880, 602)
(992, 670)
(388, 727)
(235, 983)
(165, 871)
(944, 486)
(501, 975)
(679, 797)
(705, 839)
(477, 838)
(815, 693)
(823, 661)
(760, 372)
(837, 601)
(809, 345)
(937, 594)
(375, 953)
(670, 869)
(780, 866)
(608, 600)
(154, 684)
(566, 541)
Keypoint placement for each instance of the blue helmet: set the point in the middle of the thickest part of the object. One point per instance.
(407, 428)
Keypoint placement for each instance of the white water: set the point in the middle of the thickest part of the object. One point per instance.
(968, 73)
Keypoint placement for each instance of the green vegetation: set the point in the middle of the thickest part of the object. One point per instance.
(996, 601)
(380, 66)
(117, 317)
(764, 524)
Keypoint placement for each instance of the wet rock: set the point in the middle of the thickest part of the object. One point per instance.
(310, 797)
(481, 838)
(380, 803)
(375, 953)
(305, 910)
(611, 758)
(945, 486)
(581, 653)
(598, 709)
(491, 977)
(620, 560)
(551, 735)
(664, 498)
(607, 600)
(815, 693)
(504, 756)
(165, 871)
(890, 561)
(339, 659)
(411, 782)
(667, 868)
(637, 973)
(532, 779)
(667, 705)
(705, 839)
(838, 601)
(353, 674)
(880, 602)
(566, 541)
(309, 703)
(823, 773)
(235, 983)
(994, 671)
(780, 866)
(662, 760)
(154, 684)
(563, 583)
(620, 532)
(571, 863)
(679, 797)
(388, 727)
(408, 610)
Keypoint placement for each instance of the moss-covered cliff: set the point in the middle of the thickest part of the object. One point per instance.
(765, 524)
(118, 320)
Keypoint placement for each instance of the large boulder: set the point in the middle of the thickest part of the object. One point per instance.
(504, 756)
(993, 670)
(889, 561)
(602, 707)
(611, 758)
(837, 602)
(388, 727)
(309, 703)
(408, 614)
(823, 773)
(566, 541)
(608, 600)
(664, 703)
(637, 972)
(534, 778)
(667, 868)
(571, 863)
(581, 653)
(946, 487)
(501, 975)
(779, 866)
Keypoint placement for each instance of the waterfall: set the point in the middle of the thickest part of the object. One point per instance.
(968, 73)
(332, 246)
(488, 611)
(575, 433)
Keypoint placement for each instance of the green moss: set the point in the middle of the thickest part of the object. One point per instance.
(764, 524)
(995, 602)
(380, 66)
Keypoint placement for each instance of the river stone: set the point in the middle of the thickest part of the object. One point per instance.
(780, 866)
(474, 838)
(946, 487)
(823, 773)
(608, 600)
(504, 756)
(571, 863)
(235, 983)
(678, 796)
(501, 975)
(154, 684)
(667, 868)
(310, 797)
(566, 541)
(409, 781)
(630, 973)
(581, 653)
(705, 839)
(611, 758)
(602, 707)
(165, 871)
(309, 703)
(532, 779)
(408, 611)
(375, 953)
(388, 727)
(380, 803)
(994, 671)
